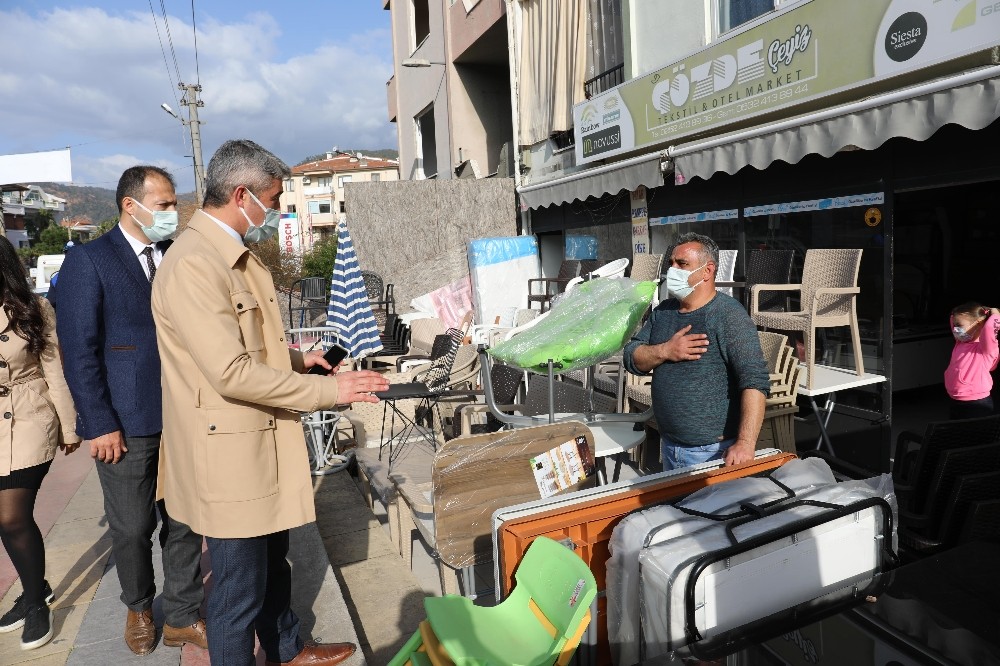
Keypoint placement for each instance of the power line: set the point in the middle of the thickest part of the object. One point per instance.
(170, 39)
(173, 87)
(194, 28)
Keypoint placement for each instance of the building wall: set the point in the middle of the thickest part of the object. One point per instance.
(466, 27)
(382, 218)
(418, 87)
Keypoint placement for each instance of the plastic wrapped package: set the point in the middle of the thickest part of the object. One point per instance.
(665, 522)
(781, 573)
(581, 247)
(500, 269)
(622, 577)
(584, 327)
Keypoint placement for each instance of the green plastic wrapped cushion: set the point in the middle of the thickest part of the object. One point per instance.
(584, 327)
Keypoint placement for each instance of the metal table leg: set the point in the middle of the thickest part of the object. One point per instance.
(823, 420)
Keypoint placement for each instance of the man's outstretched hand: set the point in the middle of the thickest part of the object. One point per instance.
(359, 385)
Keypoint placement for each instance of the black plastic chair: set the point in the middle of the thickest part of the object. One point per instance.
(312, 294)
(552, 287)
(768, 267)
(952, 465)
(916, 458)
(982, 522)
(380, 295)
(506, 382)
(968, 489)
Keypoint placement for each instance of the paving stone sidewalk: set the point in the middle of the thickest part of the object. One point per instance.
(89, 618)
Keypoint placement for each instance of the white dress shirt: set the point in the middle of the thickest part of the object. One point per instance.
(138, 247)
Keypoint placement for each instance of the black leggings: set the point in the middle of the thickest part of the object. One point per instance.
(23, 541)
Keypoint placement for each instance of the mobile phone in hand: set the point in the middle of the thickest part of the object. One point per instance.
(334, 355)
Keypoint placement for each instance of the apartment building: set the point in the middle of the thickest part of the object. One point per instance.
(21, 201)
(315, 192)
(449, 95)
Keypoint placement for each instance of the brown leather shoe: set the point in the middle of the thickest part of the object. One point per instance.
(319, 654)
(140, 632)
(194, 634)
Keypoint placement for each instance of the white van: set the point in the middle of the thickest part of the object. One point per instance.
(42, 273)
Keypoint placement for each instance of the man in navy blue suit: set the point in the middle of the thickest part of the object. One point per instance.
(112, 364)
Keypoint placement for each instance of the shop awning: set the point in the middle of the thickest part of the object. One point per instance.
(611, 178)
(971, 100)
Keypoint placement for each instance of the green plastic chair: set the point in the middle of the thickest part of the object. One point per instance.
(541, 622)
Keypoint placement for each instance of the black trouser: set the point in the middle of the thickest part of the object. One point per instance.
(130, 505)
(970, 409)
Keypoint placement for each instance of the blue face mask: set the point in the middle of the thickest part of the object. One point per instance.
(272, 220)
(961, 335)
(677, 282)
(164, 224)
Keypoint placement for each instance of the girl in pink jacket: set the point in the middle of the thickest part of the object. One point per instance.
(967, 379)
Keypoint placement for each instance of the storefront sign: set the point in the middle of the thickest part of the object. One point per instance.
(808, 51)
(707, 216)
(640, 221)
(289, 238)
(867, 200)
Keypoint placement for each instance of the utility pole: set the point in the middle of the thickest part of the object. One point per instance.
(190, 99)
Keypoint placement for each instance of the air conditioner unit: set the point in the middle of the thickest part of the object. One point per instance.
(306, 180)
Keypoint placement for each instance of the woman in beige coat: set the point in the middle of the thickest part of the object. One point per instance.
(36, 416)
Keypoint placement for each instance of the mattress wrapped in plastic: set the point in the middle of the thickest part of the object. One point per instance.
(653, 553)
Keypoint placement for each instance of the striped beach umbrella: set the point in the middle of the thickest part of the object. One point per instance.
(350, 312)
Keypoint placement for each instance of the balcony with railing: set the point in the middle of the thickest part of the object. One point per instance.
(604, 81)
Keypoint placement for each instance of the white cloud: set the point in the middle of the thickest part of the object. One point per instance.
(99, 79)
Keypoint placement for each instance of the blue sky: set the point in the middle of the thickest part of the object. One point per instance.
(297, 77)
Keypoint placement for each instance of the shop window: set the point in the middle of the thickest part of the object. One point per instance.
(319, 206)
(605, 45)
(848, 227)
(734, 13)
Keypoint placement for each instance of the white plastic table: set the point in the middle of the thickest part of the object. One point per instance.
(828, 381)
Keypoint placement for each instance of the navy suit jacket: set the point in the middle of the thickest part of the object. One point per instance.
(108, 339)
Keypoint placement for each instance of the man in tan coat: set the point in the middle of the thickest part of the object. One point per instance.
(233, 463)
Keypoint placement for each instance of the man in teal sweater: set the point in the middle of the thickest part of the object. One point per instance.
(709, 375)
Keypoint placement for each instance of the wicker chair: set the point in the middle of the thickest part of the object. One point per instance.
(829, 291)
(646, 267)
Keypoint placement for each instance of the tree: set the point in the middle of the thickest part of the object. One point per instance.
(319, 260)
(51, 240)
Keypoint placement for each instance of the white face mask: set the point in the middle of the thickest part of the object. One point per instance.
(677, 282)
(164, 224)
(272, 220)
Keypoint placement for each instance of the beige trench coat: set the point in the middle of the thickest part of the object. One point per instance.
(36, 409)
(233, 460)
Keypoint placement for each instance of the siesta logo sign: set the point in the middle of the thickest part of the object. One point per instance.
(906, 36)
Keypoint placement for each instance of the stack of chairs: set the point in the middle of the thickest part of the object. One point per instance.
(778, 430)
(541, 622)
(945, 482)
